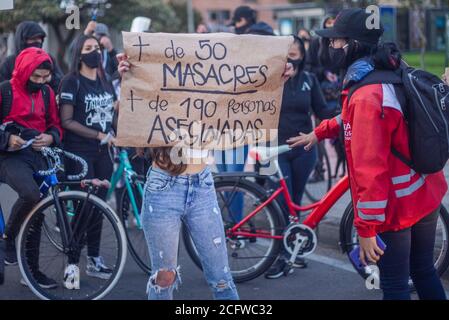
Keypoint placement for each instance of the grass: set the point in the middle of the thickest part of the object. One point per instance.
(435, 61)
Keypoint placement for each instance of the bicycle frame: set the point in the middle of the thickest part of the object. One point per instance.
(319, 209)
(126, 171)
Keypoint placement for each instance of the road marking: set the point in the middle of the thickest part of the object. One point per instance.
(332, 262)
(348, 267)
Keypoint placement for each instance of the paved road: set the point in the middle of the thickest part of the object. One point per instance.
(329, 275)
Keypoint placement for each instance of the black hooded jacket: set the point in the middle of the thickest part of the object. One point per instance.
(27, 30)
(318, 57)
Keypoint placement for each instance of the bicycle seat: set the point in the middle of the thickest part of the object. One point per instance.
(264, 154)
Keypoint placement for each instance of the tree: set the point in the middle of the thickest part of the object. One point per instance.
(119, 16)
(418, 14)
(180, 8)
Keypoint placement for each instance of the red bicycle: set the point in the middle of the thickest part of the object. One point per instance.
(256, 230)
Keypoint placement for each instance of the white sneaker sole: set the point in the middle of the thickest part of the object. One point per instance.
(23, 282)
(10, 264)
(70, 286)
(103, 276)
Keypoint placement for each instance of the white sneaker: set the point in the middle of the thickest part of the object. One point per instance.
(72, 277)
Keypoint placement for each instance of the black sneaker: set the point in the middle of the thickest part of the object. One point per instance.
(43, 281)
(10, 253)
(277, 269)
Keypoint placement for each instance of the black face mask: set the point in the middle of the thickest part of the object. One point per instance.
(91, 59)
(241, 30)
(298, 64)
(36, 44)
(337, 57)
(34, 87)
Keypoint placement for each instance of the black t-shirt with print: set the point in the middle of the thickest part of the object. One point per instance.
(93, 107)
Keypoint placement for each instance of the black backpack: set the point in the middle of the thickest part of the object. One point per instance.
(424, 99)
(7, 98)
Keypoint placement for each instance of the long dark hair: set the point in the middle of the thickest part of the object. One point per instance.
(161, 156)
(385, 55)
(300, 43)
(76, 60)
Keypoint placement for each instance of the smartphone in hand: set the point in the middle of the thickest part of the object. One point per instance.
(354, 255)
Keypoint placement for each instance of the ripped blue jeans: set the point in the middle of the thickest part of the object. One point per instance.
(168, 200)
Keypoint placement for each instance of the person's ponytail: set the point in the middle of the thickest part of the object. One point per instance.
(386, 56)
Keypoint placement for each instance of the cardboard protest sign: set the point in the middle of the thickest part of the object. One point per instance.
(214, 90)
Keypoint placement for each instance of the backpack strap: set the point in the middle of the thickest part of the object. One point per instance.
(6, 93)
(387, 77)
(376, 77)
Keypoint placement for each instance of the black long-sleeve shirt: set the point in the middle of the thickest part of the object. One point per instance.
(302, 96)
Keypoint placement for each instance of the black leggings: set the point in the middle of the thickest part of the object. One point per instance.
(16, 170)
(100, 166)
(409, 253)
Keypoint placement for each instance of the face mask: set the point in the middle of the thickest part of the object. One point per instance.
(91, 59)
(240, 30)
(298, 64)
(34, 45)
(34, 87)
(337, 57)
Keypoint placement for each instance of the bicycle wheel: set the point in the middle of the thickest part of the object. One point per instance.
(249, 257)
(2, 261)
(137, 244)
(320, 180)
(37, 252)
(349, 239)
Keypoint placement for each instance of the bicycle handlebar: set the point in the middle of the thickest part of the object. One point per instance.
(53, 153)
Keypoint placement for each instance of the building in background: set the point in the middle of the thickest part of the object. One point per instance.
(217, 14)
(400, 22)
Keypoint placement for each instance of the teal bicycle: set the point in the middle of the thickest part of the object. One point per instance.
(129, 203)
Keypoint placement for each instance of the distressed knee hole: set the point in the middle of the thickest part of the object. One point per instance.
(165, 278)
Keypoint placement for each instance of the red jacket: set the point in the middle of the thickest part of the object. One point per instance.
(387, 194)
(28, 110)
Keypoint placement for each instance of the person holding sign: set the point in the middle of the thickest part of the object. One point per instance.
(302, 96)
(390, 198)
(87, 103)
(182, 191)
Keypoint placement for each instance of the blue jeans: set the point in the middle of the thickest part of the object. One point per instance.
(190, 198)
(296, 166)
(409, 253)
(233, 160)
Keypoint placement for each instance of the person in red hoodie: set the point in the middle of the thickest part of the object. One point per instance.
(390, 199)
(28, 119)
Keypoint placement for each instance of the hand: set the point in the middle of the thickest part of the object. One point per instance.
(140, 152)
(15, 142)
(102, 136)
(90, 29)
(123, 64)
(42, 140)
(444, 78)
(332, 77)
(106, 43)
(369, 249)
(309, 140)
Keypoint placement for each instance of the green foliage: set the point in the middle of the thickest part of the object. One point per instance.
(120, 15)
